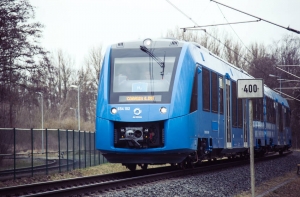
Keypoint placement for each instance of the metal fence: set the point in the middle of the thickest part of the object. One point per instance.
(29, 152)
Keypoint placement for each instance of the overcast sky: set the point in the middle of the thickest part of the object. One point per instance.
(75, 26)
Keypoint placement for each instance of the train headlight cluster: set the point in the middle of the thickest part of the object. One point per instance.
(113, 110)
(163, 110)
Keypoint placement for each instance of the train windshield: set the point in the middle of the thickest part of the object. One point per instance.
(138, 77)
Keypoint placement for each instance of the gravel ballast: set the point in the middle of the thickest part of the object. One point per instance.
(227, 182)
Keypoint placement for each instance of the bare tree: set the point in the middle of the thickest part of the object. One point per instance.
(95, 62)
(19, 49)
(233, 52)
(64, 63)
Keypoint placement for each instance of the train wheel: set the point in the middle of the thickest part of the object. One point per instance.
(131, 167)
(144, 166)
(182, 165)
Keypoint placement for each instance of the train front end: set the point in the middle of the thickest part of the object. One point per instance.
(135, 105)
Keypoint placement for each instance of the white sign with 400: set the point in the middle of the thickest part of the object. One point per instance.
(250, 88)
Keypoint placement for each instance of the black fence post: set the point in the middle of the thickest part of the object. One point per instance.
(94, 150)
(58, 149)
(67, 150)
(90, 142)
(79, 151)
(73, 150)
(84, 149)
(14, 153)
(46, 151)
(98, 153)
(31, 152)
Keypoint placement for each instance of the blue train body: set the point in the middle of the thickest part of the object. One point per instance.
(169, 101)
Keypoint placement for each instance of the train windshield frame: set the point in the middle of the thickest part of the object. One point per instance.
(138, 78)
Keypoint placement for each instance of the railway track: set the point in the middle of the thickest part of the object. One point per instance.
(102, 183)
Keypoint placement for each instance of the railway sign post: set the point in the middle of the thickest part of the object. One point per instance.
(249, 89)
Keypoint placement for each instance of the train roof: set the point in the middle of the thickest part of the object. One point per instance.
(208, 60)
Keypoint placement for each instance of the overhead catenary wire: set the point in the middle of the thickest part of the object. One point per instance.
(219, 24)
(287, 72)
(181, 12)
(234, 30)
(206, 31)
(229, 47)
(287, 28)
(286, 95)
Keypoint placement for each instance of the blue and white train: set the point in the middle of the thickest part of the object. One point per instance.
(169, 101)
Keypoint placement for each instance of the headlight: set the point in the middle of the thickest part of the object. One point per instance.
(113, 110)
(163, 110)
(147, 42)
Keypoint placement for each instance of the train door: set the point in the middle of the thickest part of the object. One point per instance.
(228, 115)
(245, 123)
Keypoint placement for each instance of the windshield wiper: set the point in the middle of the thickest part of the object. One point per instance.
(157, 59)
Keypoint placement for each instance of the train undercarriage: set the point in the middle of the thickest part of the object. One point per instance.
(206, 153)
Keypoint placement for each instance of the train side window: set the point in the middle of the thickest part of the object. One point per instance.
(280, 117)
(269, 110)
(283, 117)
(206, 89)
(194, 97)
(221, 95)
(274, 113)
(261, 109)
(254, 105)
(234, 104)
(240, 113)
(288, 116)
(214, 92)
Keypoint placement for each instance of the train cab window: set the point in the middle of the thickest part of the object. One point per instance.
(206, 89)
(138, 78)
(214, 92)
(221, 104)
(234, 104)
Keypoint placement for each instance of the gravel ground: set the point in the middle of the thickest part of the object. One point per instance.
(227, 182)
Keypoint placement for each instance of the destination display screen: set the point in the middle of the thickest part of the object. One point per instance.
(141, 98)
